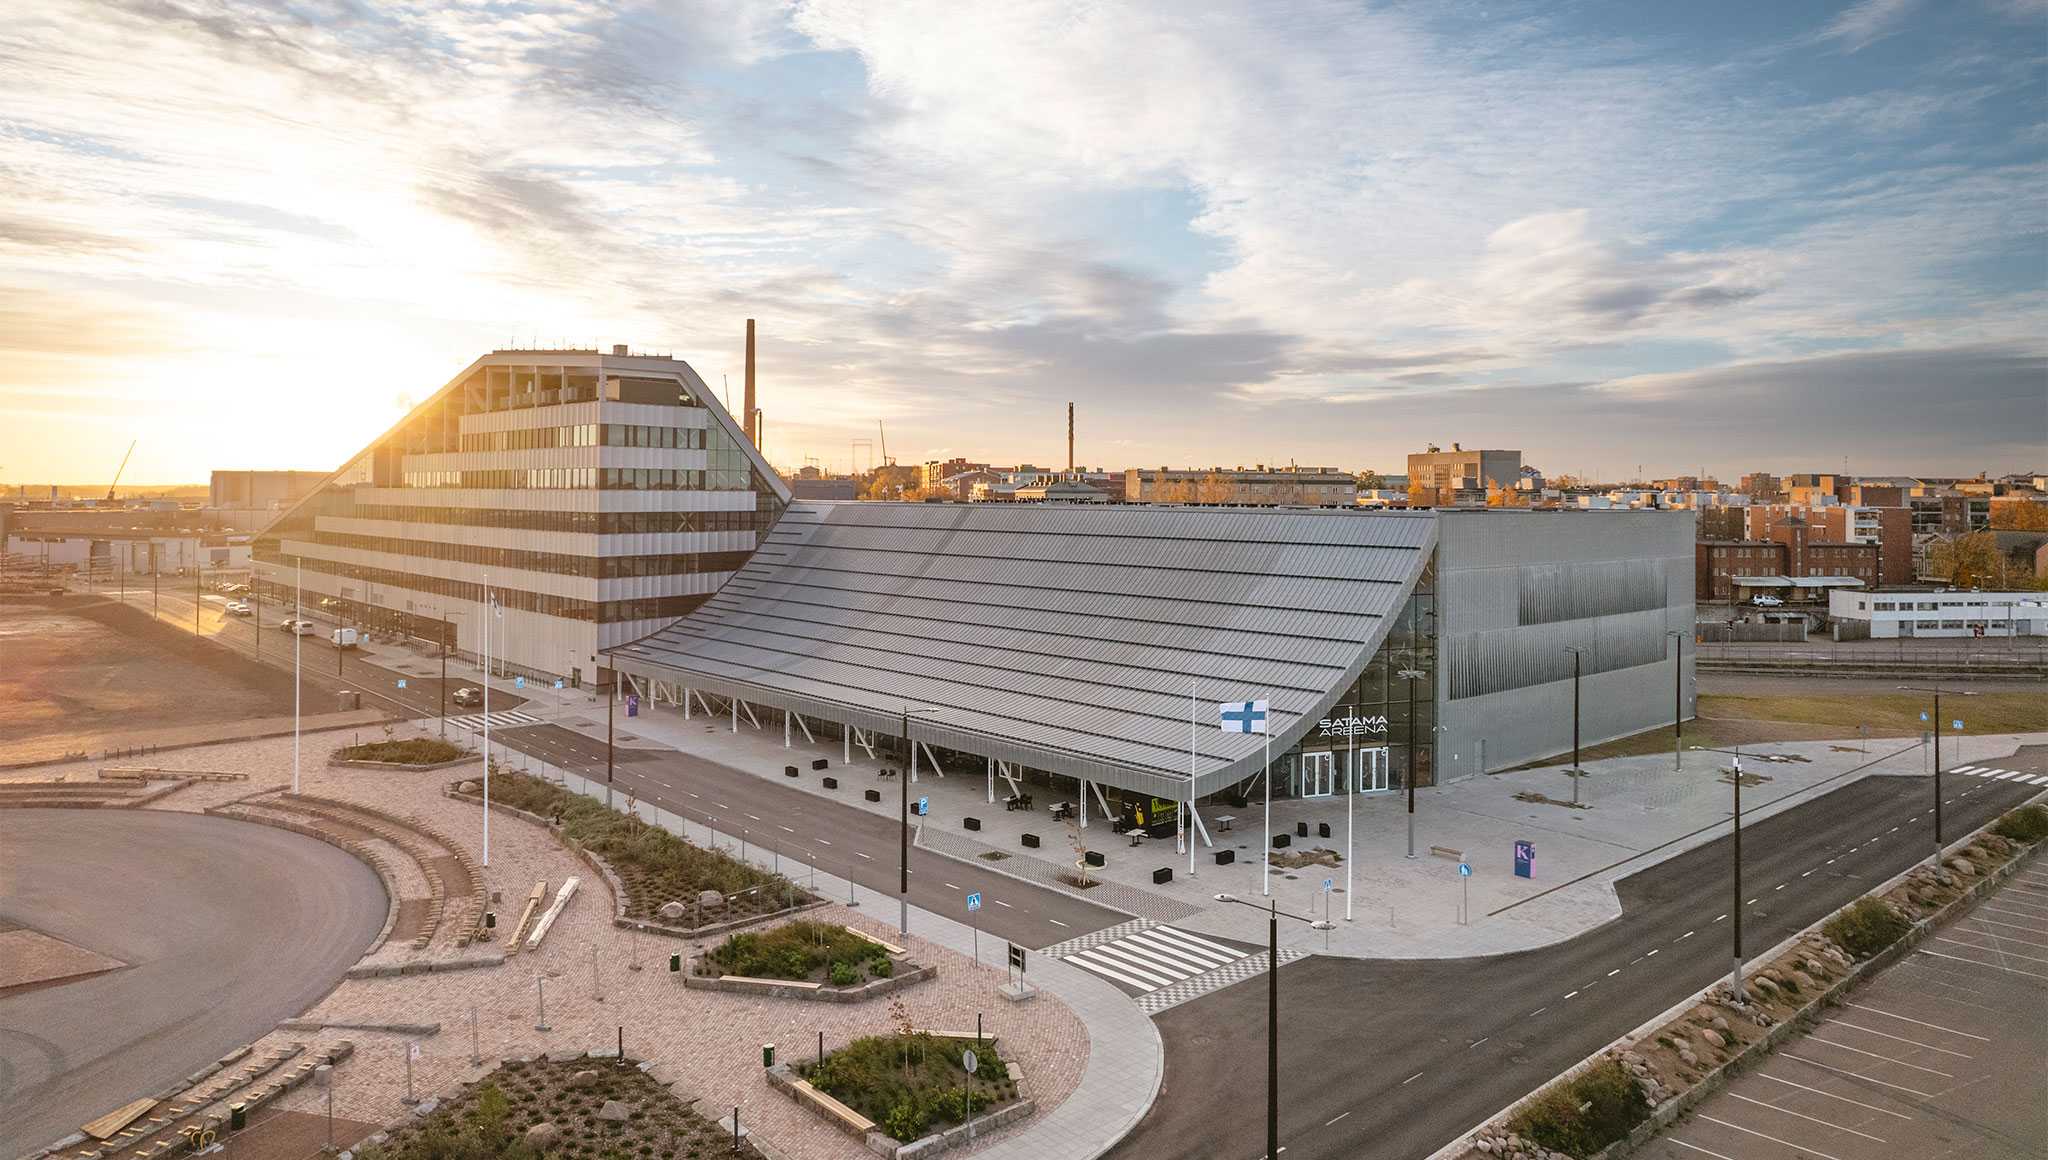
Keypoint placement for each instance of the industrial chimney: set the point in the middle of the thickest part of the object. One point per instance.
(1070, 437)
(749, 417)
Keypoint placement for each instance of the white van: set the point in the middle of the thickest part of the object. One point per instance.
(344, 637)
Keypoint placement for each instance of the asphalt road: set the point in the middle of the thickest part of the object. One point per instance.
(227, 928)
(843, 840)
(1389, 1058)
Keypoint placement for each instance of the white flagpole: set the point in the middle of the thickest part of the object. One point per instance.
(1350, 791)
(298, 686)
(1187, 838)
(1266, 868)
(487, 718)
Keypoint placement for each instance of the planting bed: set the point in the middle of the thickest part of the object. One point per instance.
(912, 1085)
(814, 952)
(498, 1116)
(410, 751)
(653, 866)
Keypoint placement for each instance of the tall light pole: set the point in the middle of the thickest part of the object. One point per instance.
(1576, 773)
(1273, 1012)
(1410, 676)
(903, 844)
(298, 684)
(490, 615)
(1936, 723)
(611, 696)
(1677, 698)
(1735, 911)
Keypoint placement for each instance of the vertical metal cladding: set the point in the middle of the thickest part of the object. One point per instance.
(1581, 590)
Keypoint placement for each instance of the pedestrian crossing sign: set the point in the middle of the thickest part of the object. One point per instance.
(401, 682)
(974, 901)
(518, 682)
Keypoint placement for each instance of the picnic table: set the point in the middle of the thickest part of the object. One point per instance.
(1224, 822)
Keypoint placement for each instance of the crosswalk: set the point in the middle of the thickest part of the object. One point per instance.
(509, 719)
(1154, 957)
(1991, 774)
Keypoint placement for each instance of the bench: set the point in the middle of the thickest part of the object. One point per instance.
(1224, 822)
(831, 783)
(1447, 852)
(847, 1119)
(1225, 857)
(892, 948)
(874, 795)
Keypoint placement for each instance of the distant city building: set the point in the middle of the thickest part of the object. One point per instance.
(1258, 486)
(1889, 529)
(595, 497)
(1761, 485)
(935, 471)
(1791, 555)
(1061, 491)
(1459, 477)
(818, 487)
(1950, 613)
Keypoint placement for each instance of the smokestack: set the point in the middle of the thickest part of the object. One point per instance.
(749, 421)
(1070, 436)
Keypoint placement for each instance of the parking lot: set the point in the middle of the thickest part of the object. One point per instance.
(1943, 1054)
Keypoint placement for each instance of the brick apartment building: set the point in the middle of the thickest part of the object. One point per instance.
(1888, 529)
(1789, 547)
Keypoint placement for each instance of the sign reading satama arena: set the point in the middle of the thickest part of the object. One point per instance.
(1352, 725)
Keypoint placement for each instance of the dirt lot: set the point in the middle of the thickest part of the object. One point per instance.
(79, 671)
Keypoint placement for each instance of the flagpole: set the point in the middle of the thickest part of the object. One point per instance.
(1266, 866)
(1187, 838)
(488, 609)
(1350, 791)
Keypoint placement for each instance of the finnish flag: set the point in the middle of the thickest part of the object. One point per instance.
(1242, 716)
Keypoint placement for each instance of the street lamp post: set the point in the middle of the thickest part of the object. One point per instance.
(611, 696)
(1410, 676)
(903, 843)
(1677, 698)
(1576, 772)
(1936, 723)
(1272, 909)
(1735, 913)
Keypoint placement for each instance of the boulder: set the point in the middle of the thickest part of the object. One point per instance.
(583, 1079)
(543, 1136)
(672, 911)
(1714, 1038)
(710, 899)
(615, 1112)
(1961, 866)
(1806, 982)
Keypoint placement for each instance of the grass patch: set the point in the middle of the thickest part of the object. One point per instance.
(411, 751)
(912, 1085)
(653, 865)
(1865, 927)
(1585, 1113)
(2026, 824)
(489, 1121)
(1887, 714)
(808, 952)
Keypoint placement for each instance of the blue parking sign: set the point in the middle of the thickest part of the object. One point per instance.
(924, 806)
(518, 682)
(401, 682)
(1956, 724)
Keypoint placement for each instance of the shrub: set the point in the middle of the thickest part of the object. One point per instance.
(1586, 1113)
(843, 975)
(907, 1120)
(1865, 927)
(2026, 824)
(412, 751)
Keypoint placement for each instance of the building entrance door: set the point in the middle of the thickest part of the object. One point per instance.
(1372, 770)
(1318, 774)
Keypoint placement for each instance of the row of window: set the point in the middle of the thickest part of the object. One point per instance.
(557, 563)
(718, 478)
(587, 523)
(457, 591)
(585, 435)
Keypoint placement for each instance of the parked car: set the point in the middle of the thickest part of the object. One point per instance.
(1766, 601)
(296, 627)
(240, 608)
(469, 695)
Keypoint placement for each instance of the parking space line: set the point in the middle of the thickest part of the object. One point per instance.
(1702, 1151)
(1987, 966)
(1857, 1075)
(1833, 1096)
(1877, 1055)
(1802, 1115)
(1998, 950)
(1921, 1022)
(1992, 934)
(1900, 1038)
(1773, 1139)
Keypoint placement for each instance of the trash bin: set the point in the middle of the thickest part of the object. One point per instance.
(767, 1055)
(675, 964)
(238, 1116)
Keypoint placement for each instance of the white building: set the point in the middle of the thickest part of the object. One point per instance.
(1943, 614)
(596, 497)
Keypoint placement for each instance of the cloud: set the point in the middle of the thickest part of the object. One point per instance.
(1866, 22)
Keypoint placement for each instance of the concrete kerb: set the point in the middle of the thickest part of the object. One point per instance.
(784, 1078)
(813, 992)
(1667, 1113)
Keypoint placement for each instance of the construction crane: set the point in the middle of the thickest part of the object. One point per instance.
(119, 470)
(886, 461)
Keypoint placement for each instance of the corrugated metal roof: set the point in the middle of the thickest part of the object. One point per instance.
(1064, 638)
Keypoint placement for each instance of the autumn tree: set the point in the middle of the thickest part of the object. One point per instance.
(2020, 516)
(1215, 488)
(1971, 561)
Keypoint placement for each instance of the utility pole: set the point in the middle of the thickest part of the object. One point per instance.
(611, 696)
(1410, 676)
(1677, 698)
(903, 838)
(1574, 650)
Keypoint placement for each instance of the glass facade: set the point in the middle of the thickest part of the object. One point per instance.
(1391, 707)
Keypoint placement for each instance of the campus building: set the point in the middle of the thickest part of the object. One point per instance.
(1885, 615)
(1088, 648)
(596, 497)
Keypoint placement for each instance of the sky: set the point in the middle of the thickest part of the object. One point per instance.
(1775, 235)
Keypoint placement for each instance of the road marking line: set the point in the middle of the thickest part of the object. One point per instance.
(1723, 917)
(1653, 952)
(1857, 1075)
(1055, 922)
(857, 853)
(1876, 1055)
(1335, 1118)
(1833, 1096)
(950, 886)
(1614, 972)
(1574, 993)
(824, 841)
(1808, 874)
(785, 829)
(1001, 903)
(1772, 1139)
(1702, 1151)
(1921, 1022)
(2002, 938)
(1411, 1079)
(1536, 1012)
(2004, 910)
(1477, 1042)
(721, 805)
(1751, 902)
(1802, 1115)
(752, 816)
(1781, 886)
(1900, 1038)
(691, 794)
(1683, 937)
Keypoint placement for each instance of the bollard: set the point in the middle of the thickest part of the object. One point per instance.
(821, 1047)
(238, 1116)
(735, 1127)
(767, 1055)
